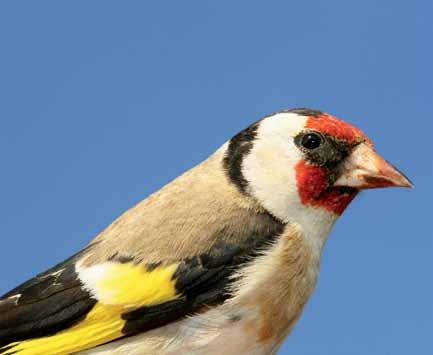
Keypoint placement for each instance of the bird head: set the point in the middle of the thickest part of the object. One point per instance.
(301, 162)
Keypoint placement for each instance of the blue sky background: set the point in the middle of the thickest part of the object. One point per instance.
(103, 102)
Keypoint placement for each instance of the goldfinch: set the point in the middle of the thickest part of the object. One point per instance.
(221, 260)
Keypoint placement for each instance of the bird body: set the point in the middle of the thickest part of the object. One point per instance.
(221, 260)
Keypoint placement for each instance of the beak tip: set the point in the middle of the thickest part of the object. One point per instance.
(403, 180)
(408, 184)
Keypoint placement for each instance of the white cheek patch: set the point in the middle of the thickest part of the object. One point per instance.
(270, 166)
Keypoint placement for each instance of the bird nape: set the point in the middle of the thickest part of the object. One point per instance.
(220, 260)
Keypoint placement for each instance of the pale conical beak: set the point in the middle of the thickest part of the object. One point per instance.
(365, 169)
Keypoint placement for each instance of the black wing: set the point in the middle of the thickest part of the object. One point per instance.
(49, 302)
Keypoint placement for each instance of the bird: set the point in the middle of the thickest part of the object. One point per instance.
(221, 260)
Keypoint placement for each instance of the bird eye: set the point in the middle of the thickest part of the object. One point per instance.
(311, 141)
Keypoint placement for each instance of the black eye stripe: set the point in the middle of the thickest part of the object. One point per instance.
(322, 150)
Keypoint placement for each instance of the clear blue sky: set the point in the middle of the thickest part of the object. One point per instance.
(102, 102)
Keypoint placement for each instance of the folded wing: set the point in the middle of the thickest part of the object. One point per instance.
(71, 308)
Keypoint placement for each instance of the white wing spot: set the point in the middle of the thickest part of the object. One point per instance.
(16, 298)
(57, 273)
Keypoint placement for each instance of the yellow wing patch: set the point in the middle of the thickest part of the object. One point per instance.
(119, 288)
(133, 286)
